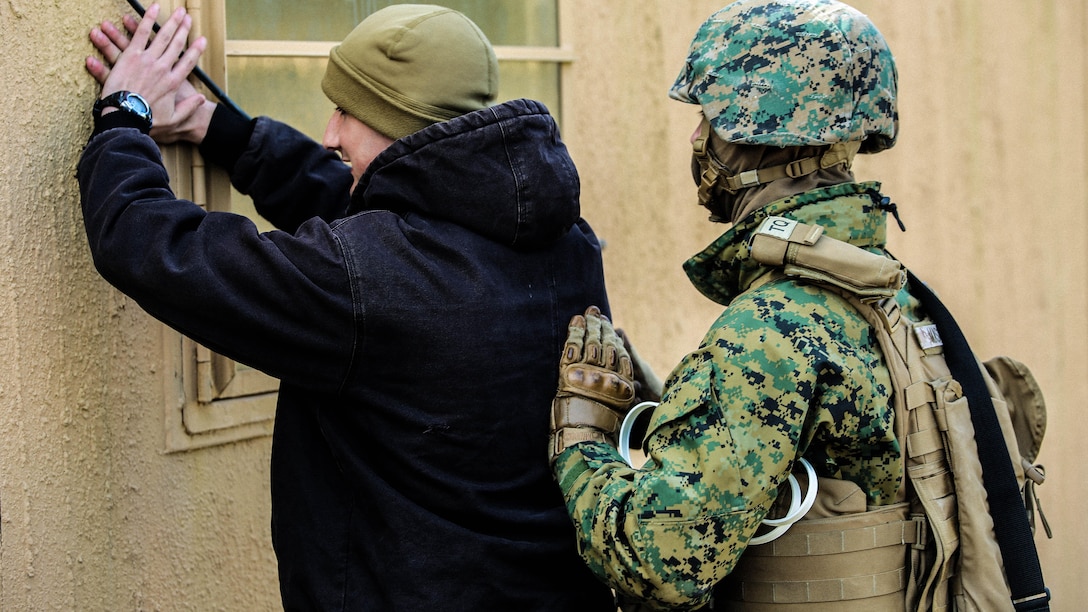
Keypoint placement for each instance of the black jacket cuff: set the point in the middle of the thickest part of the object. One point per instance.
(227, 138)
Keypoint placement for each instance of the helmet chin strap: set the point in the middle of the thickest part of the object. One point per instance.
(714, 175)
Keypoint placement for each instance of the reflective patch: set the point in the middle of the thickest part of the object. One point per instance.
(928, 336)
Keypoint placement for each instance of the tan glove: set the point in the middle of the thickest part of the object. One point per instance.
(596, 384)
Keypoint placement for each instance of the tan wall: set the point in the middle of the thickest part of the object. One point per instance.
(990, 175)
(93, 514)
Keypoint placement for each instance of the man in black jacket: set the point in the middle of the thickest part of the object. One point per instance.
(413, 305)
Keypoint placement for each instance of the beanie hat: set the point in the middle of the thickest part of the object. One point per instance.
(408, 66)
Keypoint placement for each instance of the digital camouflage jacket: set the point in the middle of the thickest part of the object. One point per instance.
(787, 369)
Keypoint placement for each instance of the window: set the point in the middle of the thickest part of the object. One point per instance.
(270, 56)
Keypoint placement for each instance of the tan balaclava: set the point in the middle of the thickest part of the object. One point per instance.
(725, 159)
(408, 66)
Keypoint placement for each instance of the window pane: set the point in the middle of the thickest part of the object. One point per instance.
(531, 23)
(291, 19)
(285, 88)
(535, 80)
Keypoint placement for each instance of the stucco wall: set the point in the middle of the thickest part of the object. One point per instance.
(93, 515)
(990, 176)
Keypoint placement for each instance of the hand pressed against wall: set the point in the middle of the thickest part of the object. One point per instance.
(157, 67)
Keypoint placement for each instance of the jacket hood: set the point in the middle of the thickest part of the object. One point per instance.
(850, 212)
(502, 172)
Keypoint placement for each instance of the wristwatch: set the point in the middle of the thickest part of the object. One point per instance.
(131, 103)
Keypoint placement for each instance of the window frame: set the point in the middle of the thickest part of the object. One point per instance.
(209, 399)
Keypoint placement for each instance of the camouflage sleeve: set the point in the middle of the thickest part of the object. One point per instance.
(725, 436)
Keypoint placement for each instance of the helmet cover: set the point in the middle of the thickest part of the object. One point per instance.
(792, 73)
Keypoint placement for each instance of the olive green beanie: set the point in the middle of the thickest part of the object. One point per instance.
(410, 65)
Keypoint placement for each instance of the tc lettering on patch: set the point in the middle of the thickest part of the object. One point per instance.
(779, 227)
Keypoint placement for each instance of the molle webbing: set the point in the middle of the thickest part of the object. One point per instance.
(848, 563)
(839, 153)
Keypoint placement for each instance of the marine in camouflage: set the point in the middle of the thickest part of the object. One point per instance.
(787, 370)
(803, 72)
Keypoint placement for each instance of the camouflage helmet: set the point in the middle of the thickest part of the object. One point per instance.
(792, 73)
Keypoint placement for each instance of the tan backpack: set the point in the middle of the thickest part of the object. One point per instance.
(936, 549)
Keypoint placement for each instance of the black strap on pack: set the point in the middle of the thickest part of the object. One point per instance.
(1011, 527)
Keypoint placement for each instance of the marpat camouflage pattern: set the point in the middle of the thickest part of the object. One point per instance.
(806, 72)
(787, 370)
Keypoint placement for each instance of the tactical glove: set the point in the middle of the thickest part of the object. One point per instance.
(596, 384)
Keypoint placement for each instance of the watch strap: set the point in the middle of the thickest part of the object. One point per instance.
(121, 101)
(110, 121)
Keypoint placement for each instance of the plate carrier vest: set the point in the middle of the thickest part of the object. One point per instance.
(934, 549)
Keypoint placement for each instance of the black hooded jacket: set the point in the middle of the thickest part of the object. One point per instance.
(416, 328)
